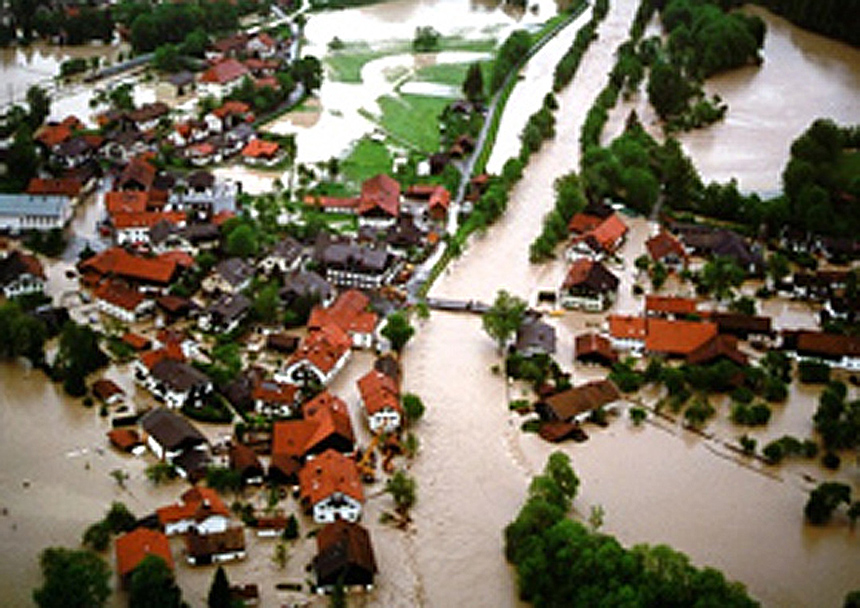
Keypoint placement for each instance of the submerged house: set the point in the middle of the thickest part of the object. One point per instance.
(344, 556)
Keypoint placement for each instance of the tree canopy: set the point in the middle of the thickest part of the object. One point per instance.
(72, 579)
(153, 585)
(398, 330)
(504, 317)
(560, 562)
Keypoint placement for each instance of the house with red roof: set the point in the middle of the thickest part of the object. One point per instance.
(325, 425)
(670, 307)
(350, 313)
(320, 356)
(677, 338)
(133, 547)
(273, 398)
(260, 152)
(199, 510)
(380, 398)
(134, 228)
(55, 186)
(379, 204)
(598, 238)
(666, 249)
(222, 78)
(330, 488)
(122, 302)
(116, 262)
(588, 286)
(138, 174)
(344, 557)
(126, 201)
(627, 333)
(262, 45)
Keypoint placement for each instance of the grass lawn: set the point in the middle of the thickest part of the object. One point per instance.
(368, 158)
(414, 118)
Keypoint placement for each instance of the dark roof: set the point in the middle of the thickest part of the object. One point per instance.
(230, 307)
(180, 79)
(171, 430)
(741, 325)
(344, 550)
(591, 276)
(354, 257)
(289, 249)
(244, 459)
(719, 347)
(202, 546)
(201, 180)
(194, 463)
(16, 264)
(178, 375)
(388, 365)
(574, 401)
(593, 347)
(556, 431)
(306, 283)
(827, 345)
(235, 270)
(536, 334)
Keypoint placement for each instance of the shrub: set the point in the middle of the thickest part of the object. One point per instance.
(813, 372)
(831, 461)
(638, 415)
(748, 444)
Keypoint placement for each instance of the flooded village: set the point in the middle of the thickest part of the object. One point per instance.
(264, 404)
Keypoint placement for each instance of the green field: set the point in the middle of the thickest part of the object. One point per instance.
(413, 119)
(368, 158)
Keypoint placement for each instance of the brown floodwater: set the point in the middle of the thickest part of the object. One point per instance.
(804, 76)
(658, 483)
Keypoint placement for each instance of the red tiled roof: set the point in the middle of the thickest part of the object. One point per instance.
(378, 392)
(349, 312)
(197, 503)
(332, 202)
(671, 304)
(275, 392)
(124, 439)
(229, 108)
(136, 341)
(625, 327)
(138, 170)
(833, 345)
(582, 223)
(120, 201)
(323, 348)
(440, 198)
(380, 192)
(68, 186)
(118, 262)
(678, 337)
(53, 135)
(104, 389)
(260, 148)
(172, 350)
(722, 345)
(120, 295)
(664, 244)
(609, 232)
(224, 71)
(146, 219)
(328, 473)
(131, 548)
(324, 415)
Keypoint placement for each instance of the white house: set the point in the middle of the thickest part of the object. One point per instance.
(330, 488)
(33, 212)
(380, 398)
(122, 302)
(21, 274)
(168, 435)
(200, 510)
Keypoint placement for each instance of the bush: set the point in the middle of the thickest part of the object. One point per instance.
(750, 415)
(530, 426)
(638, 415)
(813, 372)
(831, 461)
(748, 444)
(291, 530)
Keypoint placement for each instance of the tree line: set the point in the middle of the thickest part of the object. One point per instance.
(562, 562)
(838, 19)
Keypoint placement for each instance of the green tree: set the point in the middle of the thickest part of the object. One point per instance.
(219, 590)
(308, 71)
(72, 579)
(160, 472)
(426, 39)
(473, 84)
(243, 241)
(403, 490)
(24, 156)
(398, 330)
(824, 499)
(223, 479)
(79, 354)
(39, 103)
(153, 585)
(413, 407)
(512, 52)
(720, 277)
(167, 58)
(97, 536)
(504, 318)
(119, 518)
(266, 303)
(20, 334)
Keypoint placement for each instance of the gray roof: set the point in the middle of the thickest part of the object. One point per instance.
(178, 376)
(536, 335)
(235, 270)
(180, 79)
(349, 256)
(306, 283)
(229, 307)
(171, 430)
(32, 204)
(288, 249)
